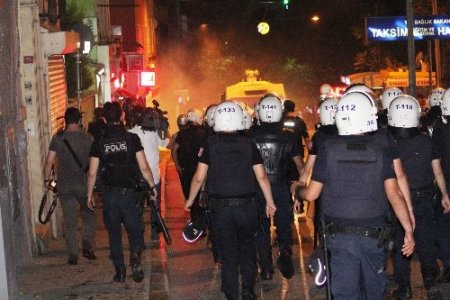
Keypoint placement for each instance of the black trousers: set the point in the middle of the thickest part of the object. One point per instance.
(186, 176)
(424, 235)
(235, 230)
(123, 206)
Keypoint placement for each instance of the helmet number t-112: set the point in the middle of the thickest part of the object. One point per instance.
(347, 107)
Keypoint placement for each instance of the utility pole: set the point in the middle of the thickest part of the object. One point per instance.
(411, 48)
(78, 74)
(437, 48)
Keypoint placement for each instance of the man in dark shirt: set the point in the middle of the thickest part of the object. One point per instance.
(97, 127)
(441, 145)
(122, 156)
(231, 165)
(422, 168)
(355, 175)
(187, 149)
(278, 149)
(72, 182)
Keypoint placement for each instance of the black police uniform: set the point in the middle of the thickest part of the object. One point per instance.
(97, 128)
(116, 151)
(353, 170)
(441, 144)
(297, 126)
(277, 148)
(323, 133)
(232, 190)
(416, 154)
(382, 119)
(191, 141)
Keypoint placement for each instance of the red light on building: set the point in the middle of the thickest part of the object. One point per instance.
(116, 82)
(148, 78)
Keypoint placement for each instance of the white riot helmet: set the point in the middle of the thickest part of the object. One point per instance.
(248, 120)
(357, 87)
(445, 107)
(228, 116)
(388, 95)
(195, 116)
(209, 115)
(327, 111)
(356, 113)
(404, 112)
(270, 109)
(436, 96)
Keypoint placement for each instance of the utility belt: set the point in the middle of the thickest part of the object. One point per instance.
(370, 232)
(120, 190)
(278, 178)
(216, 203)
(384, 235)
(417, 192)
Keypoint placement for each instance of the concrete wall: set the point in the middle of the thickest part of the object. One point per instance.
(14, 207)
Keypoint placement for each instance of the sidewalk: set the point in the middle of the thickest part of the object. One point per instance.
(48, 276)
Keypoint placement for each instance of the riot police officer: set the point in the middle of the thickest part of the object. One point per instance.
(185, 153)
(385, 139)
(123, 161)
(421, 169)
(231, 162)
(354, 175)
(441, 144)
(293, 123)
(387, 96)
(277, 148)
(188, 144)
(327, 129)
(209, 119)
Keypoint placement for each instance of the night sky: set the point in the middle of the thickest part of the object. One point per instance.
(321, 52)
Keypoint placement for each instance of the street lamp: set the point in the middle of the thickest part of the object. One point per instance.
(315, 18)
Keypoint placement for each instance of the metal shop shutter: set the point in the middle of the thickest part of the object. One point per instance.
(57, 87)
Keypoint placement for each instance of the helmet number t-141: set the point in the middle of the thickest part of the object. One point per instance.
(271, 106)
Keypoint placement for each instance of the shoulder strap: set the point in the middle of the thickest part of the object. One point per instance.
(74, 155)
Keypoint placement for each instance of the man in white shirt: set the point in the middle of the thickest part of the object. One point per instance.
(144, 127)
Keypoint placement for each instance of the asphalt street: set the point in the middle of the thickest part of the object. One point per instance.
(178, 271)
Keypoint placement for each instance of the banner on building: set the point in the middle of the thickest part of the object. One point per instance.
(387, 29)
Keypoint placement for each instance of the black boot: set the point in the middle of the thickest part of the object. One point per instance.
(404, 292)
(285, 265)
(121, 273)
(248, 294)
(87, 250)
(155, 231)
(136, 267)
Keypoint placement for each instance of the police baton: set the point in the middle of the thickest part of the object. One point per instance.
(211, 235)
(327, 262)
(160, 220)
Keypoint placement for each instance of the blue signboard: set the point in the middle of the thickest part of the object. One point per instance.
(386, 29)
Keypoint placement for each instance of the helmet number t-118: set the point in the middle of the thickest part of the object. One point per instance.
(404, 106)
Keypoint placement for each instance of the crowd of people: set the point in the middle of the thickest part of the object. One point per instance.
(377, 169)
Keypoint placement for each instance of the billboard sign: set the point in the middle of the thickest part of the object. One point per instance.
(387, 29)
